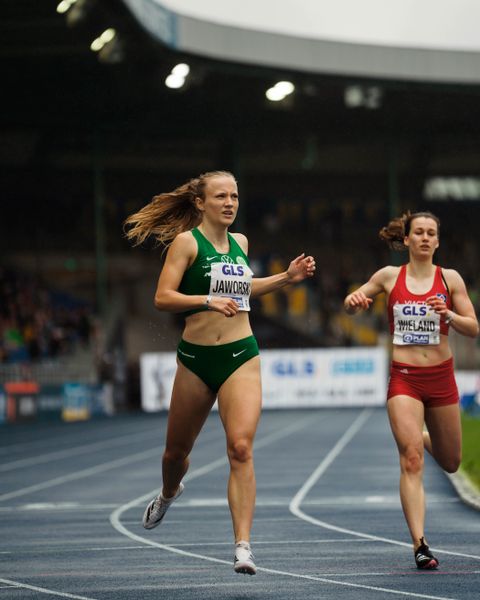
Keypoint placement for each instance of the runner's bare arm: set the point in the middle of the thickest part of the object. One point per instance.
(180, 256)
(462, 318)
(362, 298)
(299, 269)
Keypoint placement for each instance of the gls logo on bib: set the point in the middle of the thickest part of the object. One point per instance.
(415, 310)
(415, 323)
(233, 270)
(229, 280)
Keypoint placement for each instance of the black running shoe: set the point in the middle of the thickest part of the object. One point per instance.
(424, 558)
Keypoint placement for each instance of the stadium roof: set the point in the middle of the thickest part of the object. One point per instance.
(432, 40)
(65, 105)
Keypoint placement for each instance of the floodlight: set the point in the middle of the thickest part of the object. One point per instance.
(64, 5)
(174, 81)
(182, 70)
(108, 35)
(286, 87)
(274, 94)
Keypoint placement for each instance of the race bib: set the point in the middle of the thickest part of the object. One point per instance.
(415, 323)
(232, 281)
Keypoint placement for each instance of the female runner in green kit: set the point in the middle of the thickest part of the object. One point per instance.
(207, 277)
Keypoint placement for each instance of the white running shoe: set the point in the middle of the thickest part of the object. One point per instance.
(243, 562)
(157, 508)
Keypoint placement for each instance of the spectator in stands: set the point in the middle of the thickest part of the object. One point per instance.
(206, 276)
(424, 301)
(34, 325)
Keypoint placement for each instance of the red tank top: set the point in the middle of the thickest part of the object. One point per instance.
(410, 318)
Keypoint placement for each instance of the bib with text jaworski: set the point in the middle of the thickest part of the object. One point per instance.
(232, 281)
(415, 323)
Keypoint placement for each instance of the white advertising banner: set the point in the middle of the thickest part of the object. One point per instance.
(468, 383)
(157, 372)
(324, 377)
(290, 378)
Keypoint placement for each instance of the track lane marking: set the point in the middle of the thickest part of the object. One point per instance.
(64, 438)
(100, 468)
(75, 451)
(115, 517)
(34, 588)
(211, 466)
(320, 470)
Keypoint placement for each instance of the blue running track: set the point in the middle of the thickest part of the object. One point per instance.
(328, 522)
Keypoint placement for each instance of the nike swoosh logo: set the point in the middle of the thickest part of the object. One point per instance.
(235, 354)
(185, 354)
(210, 257)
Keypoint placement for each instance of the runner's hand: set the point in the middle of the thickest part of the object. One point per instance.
(438, 304)
(226, 306)
(300, 268)
(357, 301)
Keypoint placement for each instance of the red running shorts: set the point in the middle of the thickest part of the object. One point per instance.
(434, 386)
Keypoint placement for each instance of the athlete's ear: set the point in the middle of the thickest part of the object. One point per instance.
(199, 203)
(406, 241)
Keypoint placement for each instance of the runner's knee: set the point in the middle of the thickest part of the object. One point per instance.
(411, 460)
(175, 454)
(240, 451)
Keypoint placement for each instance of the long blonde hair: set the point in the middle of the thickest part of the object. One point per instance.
(170, 213)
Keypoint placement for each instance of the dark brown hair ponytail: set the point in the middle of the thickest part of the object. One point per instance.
(397, 229)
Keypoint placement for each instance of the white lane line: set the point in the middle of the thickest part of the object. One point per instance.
(106, 466)
(75, 451)
(200, 471)
(386, 502)
(116, 523)
(111, 464)
(44, 549)
(18, 584)
(393, 573)
(373, 588)
(63, 439)
(200, 586)
(56, 506)
(276, 542)
(327, 461)
(114, 519)
(215, 503)
(320, 470)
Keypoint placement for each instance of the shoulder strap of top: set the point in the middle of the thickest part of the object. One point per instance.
(236, 245)
(440, 270)
(202, 242)
(196, 234)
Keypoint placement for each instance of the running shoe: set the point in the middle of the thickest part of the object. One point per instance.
(424, 558)
(243, 562)
(157, 508)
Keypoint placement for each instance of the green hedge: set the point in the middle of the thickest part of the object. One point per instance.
(471, 448)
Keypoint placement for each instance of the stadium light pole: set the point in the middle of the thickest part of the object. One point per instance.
(393, 195)
(100, 253)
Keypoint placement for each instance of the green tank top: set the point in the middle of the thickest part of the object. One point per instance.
(197, 278)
